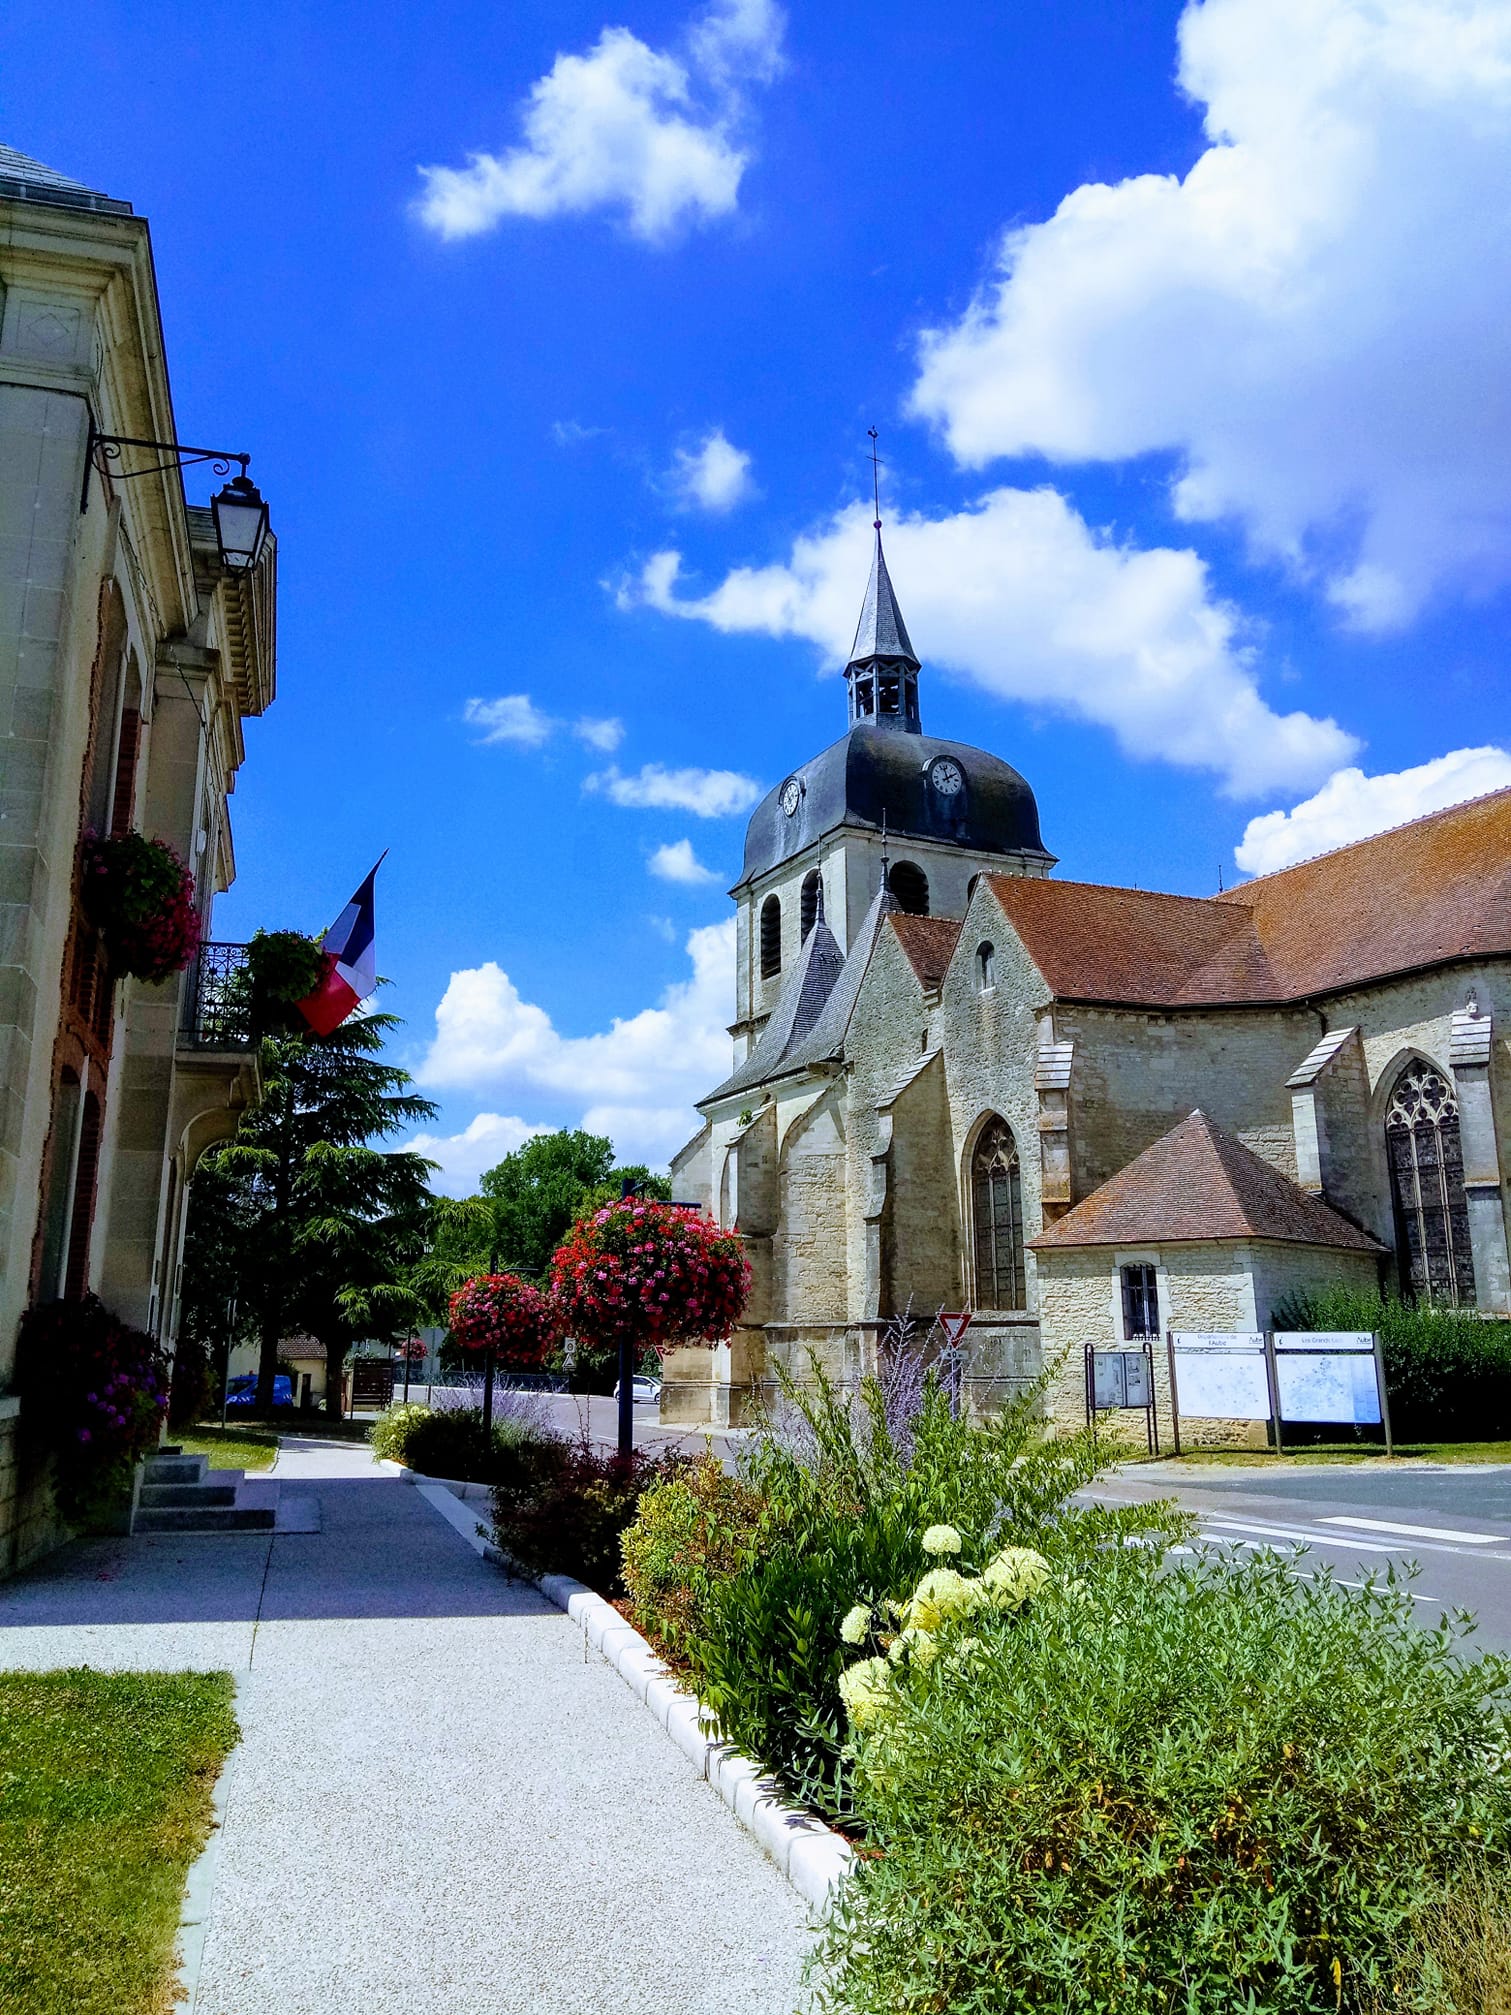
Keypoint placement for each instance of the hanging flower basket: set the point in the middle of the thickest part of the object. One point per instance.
(140, 896)
(504, 1314)
(282, 968)
(97, 1391)
(652, 1274)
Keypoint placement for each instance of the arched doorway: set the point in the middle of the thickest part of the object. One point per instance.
(997, 1218)
(1427, 1187)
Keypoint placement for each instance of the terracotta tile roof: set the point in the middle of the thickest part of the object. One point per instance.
(1435, 890)
(929, 943)
(1199, 1182)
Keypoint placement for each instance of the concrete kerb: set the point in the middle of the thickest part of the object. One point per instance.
(199, 1884)
(813, 1857)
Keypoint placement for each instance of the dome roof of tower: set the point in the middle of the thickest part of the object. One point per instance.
(875, 770)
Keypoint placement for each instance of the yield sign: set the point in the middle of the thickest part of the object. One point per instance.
(955, 1326)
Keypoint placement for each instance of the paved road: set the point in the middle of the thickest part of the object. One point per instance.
(439, 1805)
(1454, 1523)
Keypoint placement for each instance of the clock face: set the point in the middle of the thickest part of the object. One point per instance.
(792, 796)
(946, 777)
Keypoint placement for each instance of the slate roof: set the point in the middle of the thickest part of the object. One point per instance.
(881, 631)
(33, 181)
(929, 943)
(1422, 894)
(812, 1017)
(1200, 1183)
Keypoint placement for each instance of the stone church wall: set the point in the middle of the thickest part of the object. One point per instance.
(1137, 1074)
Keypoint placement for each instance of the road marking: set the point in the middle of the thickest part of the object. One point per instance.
(1304, 1535)
(1420, 1531)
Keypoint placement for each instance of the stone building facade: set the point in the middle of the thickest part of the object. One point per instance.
(935, 1067)
(129, 658)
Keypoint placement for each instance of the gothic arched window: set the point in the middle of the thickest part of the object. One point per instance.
(1427, 1187)
(986, 967)
(910, 885)
(997, 1218)
(771, 938)
(808, 908)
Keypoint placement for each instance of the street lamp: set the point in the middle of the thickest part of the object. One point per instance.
(241, 516)
(241, 523)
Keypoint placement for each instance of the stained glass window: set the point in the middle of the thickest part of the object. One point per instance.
(1427, 1187)
(997, 1209)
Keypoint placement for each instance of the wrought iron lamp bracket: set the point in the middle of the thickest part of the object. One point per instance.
(104, 454)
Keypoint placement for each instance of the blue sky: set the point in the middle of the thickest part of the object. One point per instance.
(1183, 330)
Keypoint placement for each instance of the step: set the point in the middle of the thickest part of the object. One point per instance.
(163, 1496)
(210, 1518)
(175, 1469)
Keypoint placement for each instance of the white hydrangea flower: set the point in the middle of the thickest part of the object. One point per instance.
(941, 1539)
(1014, 1575)
(856, 1625)
(866, 1689)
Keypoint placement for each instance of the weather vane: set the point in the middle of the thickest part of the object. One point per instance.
(875, 478)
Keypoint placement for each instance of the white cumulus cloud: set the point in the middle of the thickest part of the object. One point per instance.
(1021, 596)
(1311, 320)
(676, 862)
(603, 735)
(635, 1080)
(715, 476)
(465, 1156)
(711, 794)
(513, 718)
(1351, 806)
(655, 135)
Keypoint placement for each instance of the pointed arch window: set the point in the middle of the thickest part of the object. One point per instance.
(771, 938)
(808, 911)
(1427, 1187)
(910, 885)
(997, 1218)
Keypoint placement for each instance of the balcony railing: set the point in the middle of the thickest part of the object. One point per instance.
(218, 1001)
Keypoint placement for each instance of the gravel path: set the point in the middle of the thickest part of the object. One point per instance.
(438, 1805)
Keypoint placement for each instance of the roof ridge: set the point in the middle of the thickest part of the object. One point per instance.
(1235, 894)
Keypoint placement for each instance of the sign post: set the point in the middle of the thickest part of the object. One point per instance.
(1121, 1380)
(952, 1356)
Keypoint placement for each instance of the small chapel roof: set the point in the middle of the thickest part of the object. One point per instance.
(1201, 1183)
(1423, 894)
(33, 181)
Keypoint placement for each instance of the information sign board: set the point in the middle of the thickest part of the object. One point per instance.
(1220, 1376)
(1328, 1375)
(1120, 1378)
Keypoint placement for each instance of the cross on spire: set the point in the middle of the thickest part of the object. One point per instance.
(875, 478)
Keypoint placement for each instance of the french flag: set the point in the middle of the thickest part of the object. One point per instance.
(351, 968)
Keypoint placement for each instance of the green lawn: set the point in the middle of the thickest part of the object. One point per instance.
(1415, 1451)
(236, 1448)
(105, 1783)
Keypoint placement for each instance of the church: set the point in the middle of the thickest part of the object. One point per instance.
(1087, 1114)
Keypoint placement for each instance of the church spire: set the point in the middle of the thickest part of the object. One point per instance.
(883, 670)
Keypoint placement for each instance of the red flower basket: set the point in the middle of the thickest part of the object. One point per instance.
(141, 897)
(504, 1314)
(652, 1274)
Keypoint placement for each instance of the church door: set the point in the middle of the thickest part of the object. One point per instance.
(997, 1213)
(1427, 1187)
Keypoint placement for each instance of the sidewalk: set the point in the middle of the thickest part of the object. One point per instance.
(438, 1805)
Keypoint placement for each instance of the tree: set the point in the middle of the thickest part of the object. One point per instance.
(537, 1193)
(317, 1230)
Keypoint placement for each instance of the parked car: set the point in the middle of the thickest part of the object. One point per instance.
(243, 1391)
(644, 1391)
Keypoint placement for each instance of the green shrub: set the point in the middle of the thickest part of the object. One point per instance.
(1447, 1370)
(569, 1515)
(450, 1444)
(690, 1534)
(1188, 1792)
(848, 1500)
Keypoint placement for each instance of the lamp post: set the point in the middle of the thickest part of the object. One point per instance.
(240, 514)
